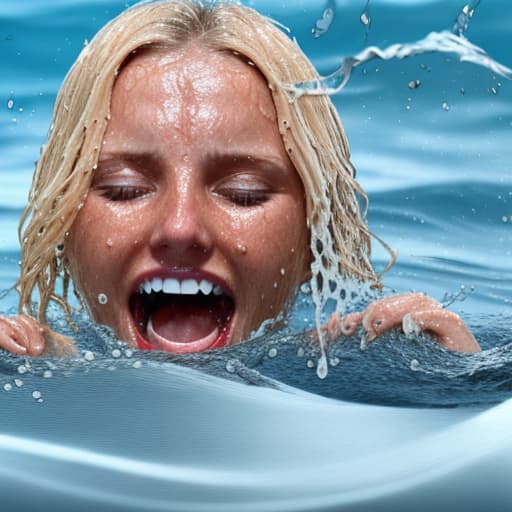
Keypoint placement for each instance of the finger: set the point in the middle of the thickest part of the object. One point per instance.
(33, 333)
(386, 314)
(446, 326)
(10, 338)
(350, 323)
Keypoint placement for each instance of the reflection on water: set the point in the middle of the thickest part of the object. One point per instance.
(401, 425)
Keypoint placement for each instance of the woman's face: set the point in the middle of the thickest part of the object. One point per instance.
(194, 230)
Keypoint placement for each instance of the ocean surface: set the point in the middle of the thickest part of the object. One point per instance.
(424, 90)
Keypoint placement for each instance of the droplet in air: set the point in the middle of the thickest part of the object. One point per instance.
(283, 271)
(493, 90)
(10, 103)
(414, 84)
(321, 367)
(445, 106)
(322, 25)
(365, 18)
(102, 299)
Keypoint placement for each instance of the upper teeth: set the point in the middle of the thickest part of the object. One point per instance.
(175, 286)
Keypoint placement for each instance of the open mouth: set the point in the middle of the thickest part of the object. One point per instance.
(181, 315)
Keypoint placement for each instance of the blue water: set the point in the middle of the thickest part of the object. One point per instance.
(402, 425)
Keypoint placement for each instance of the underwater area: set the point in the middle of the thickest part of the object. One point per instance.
(425, 94)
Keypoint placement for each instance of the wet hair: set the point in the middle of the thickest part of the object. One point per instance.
(310, 128)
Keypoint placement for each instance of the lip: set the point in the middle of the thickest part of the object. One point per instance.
(186, 347)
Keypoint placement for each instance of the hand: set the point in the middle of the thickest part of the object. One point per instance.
(22, 335)
(414, 313)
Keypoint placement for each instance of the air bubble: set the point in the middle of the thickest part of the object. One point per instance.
(7, 387)
(504, 218)
(102, 299)
(414, 84)
(415, 365)
(36, 395)
(22, 369)
(230, 366)
(445, 106)
(128, 352)
(47, 374)
(300, 352)
(334, 361)
(137, 364)
(310, 363)
(89, 356)
(272, 352)
(116, 353)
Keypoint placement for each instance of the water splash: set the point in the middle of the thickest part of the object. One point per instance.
(366, 19)
(323, 24)
(435, 42)
(461, 24)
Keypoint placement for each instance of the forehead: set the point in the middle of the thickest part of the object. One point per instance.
(197, 73)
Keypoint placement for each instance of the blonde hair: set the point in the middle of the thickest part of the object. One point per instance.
(311, 130)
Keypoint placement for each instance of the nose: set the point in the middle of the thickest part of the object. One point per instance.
(181, 236)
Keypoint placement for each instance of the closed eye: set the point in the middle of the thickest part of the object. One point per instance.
(244, 197)
(121, 192)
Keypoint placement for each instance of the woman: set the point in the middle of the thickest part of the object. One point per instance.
(187, 193)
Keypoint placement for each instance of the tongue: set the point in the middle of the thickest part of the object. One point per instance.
(182, 322)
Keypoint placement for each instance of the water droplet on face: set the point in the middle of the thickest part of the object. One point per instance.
(283, 271)
(242, 248)
(102, 299)
(275, 285)
(109, 242)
